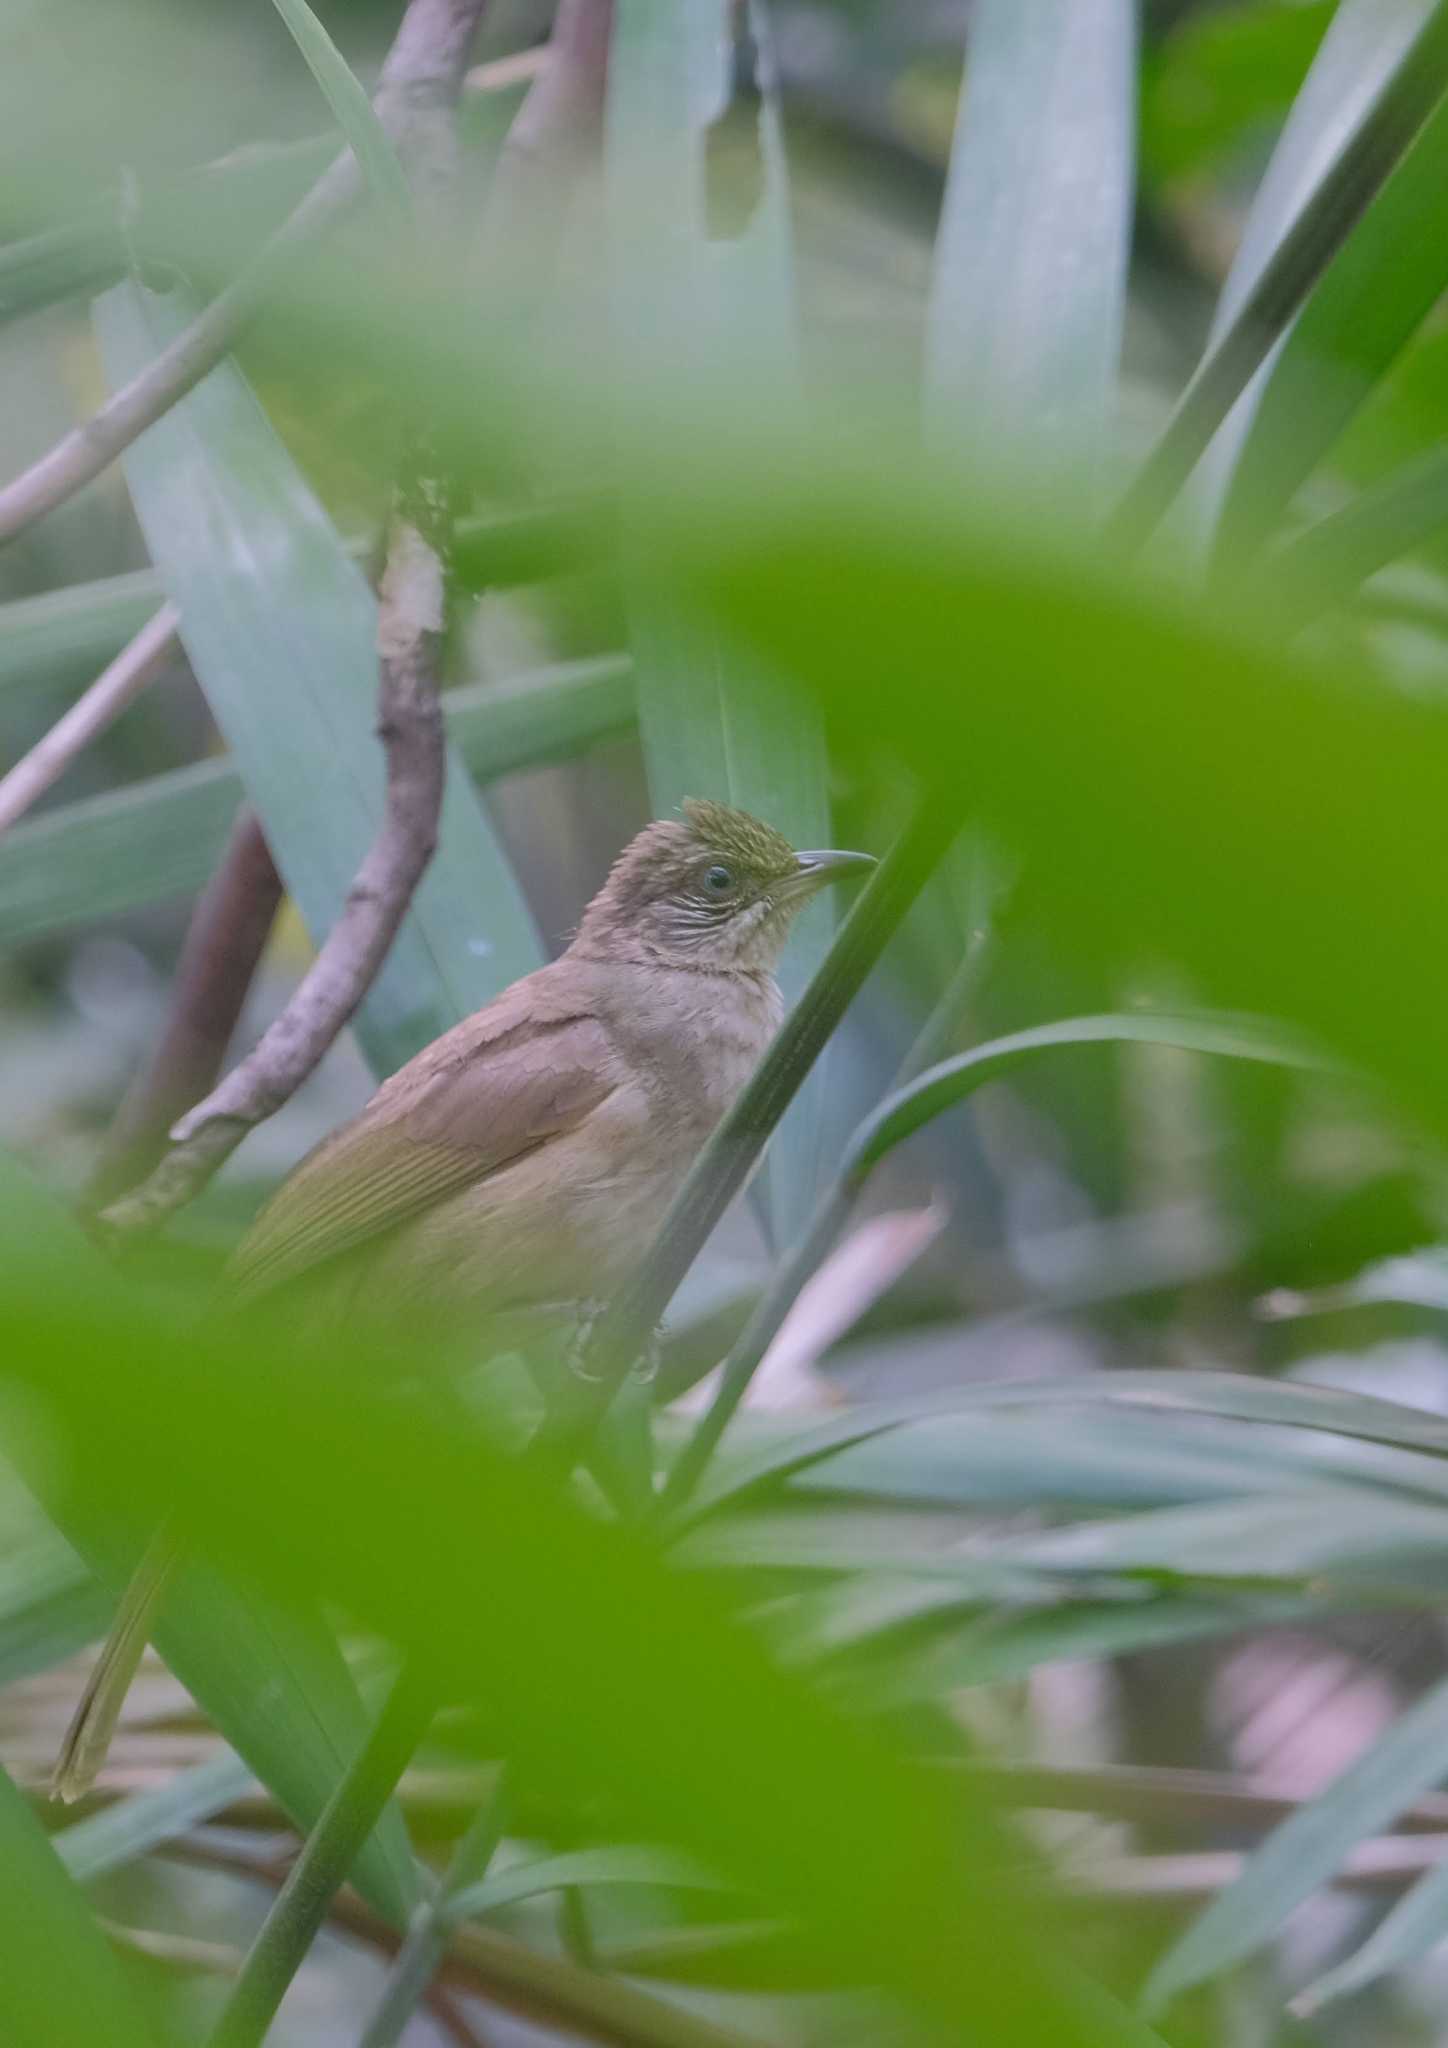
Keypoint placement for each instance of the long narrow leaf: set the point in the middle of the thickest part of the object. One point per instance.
(1384, 283)
(713, 722)
(1305, 1851)
(1411, 1930)
(61, 1983)
(1273, 297)
(621, 1864)
(297, 1725)
(349, 103)
(280, 628)
(1364, 44)
(1030, 268)
(1322, 567)
(130, 1828)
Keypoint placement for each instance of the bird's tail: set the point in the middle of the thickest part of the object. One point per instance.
(93, 1723)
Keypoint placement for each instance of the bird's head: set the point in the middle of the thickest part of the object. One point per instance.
(714, 889)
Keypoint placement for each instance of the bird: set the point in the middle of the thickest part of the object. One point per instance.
(525, 1159)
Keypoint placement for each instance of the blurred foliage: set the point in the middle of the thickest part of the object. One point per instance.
(853, 1728)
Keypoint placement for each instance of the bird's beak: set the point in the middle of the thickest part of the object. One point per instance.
(827, 865)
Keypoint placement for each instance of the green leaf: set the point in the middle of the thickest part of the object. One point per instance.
(61, 1983)
(1327, 1531)
(993, 1648)
(66, 637)
(1305, 1851)
(1030, 269)
(1106, 1459)
(269, 1674)
(1385, 281)
(301, 1466)
(1410, 1929)
(1216, 79)
(940, 1447)
(69, 635)
(1322, 567)
(105, 855)
(714, 723)
(281, 631)
(904, 1112)
(50, 1606)
(1299, 248)
(131, 1828)
(620, 1865)
(355, 117)
(1112, 733)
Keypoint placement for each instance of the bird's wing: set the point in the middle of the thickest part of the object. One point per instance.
(481, 1097)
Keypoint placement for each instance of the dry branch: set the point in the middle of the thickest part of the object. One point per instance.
(117, 685)
(424, 71)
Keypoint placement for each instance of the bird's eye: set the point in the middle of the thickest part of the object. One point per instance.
(719, 880)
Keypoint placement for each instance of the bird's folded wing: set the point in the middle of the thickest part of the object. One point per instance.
(455, 1115)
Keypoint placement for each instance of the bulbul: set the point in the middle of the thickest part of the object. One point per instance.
(526, 1158)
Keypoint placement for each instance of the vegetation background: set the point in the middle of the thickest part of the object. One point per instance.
(1008, 437)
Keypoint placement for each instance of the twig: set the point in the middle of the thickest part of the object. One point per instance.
(114, 688)
(424, 69)
(224, 943)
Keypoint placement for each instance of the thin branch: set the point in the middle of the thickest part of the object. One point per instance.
(424, 68)
(225, 940)
(117, 685)
(410, 629)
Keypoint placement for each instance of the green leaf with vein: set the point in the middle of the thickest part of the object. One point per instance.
(281, 630)
(61, 1982)
(1305, 1851)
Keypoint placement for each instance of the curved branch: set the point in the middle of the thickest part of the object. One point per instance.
(410, 725)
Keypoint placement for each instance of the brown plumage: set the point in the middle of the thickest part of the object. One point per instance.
(525, 1159)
